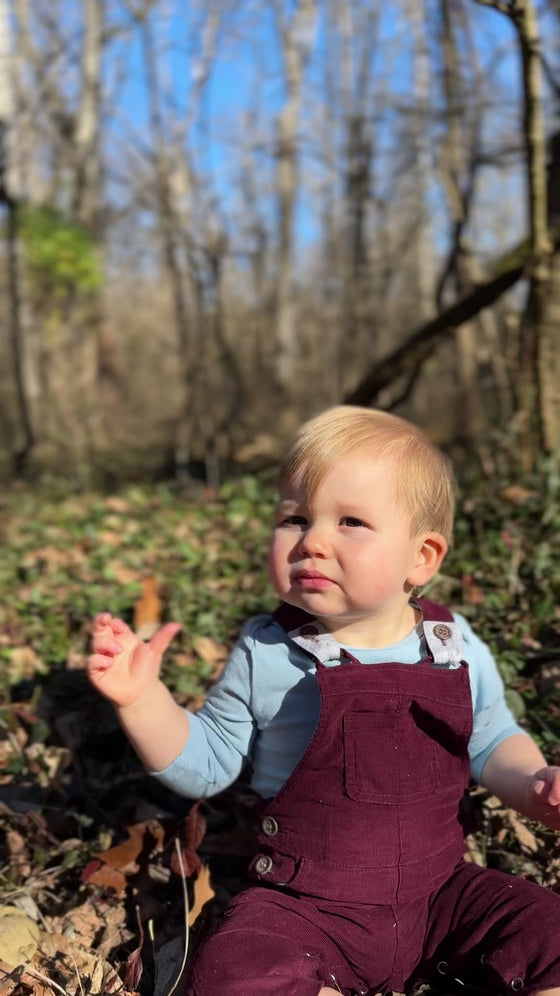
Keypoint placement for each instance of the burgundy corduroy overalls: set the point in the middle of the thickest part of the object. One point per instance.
(360, 852)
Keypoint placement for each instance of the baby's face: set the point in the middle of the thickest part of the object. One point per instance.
(347, 557)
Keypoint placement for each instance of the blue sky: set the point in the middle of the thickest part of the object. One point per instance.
(246, 77)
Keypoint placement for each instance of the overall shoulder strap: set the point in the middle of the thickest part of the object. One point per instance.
(442, 634)
(308, 633)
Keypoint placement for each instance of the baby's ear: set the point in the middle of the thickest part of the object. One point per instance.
(431, 550)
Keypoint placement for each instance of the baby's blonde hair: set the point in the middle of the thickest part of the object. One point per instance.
(423, 475)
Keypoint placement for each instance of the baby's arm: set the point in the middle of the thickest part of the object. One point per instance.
(517, 772)
(503, 757)
(126, 671)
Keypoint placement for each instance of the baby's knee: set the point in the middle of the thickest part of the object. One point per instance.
(261, 949)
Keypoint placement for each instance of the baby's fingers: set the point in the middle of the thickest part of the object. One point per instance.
(546, 785)
(102, 620)
(105, 620)
(98, 663)
(104, 642)
(554, 793)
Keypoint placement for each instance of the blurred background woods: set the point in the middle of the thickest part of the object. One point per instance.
(219, 216)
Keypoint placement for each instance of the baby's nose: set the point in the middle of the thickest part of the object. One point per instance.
(314, 541)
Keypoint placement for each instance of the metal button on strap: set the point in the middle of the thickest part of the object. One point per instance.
(442, 632)
(269, 826)
(517, 984)
(263, 864)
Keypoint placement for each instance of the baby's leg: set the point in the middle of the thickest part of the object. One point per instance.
(273, 944)
(494, 931)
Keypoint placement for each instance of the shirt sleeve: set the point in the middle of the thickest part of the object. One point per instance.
(221, 732)
(492, 717)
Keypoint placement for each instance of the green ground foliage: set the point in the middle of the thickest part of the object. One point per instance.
(71, 791)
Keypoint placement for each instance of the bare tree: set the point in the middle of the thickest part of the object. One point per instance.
(539, 372)
(295, 32)
(167, 220)
(421, 164)
(359, 27)
(208, 215)
(459, 163)
(8, 199)
(87, 193)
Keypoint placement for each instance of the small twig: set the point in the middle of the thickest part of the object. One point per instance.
(515, 585)
(45, 978)
(13, 739)
(544, 726)
(186, 909)
(77, 973)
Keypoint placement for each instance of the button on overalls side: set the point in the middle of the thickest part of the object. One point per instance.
(388, 762)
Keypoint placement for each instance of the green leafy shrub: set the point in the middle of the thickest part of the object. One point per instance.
(60, 254)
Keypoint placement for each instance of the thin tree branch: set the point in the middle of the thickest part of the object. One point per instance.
(406, 358)
(505, 8)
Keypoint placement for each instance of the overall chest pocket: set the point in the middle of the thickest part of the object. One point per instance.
(390, 757)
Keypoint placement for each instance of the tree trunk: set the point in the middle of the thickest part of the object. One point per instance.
(88, 166)
(358, 27)
(294, 38)
(536, 424)
(549, 361)
(22, 449)
(420, 178)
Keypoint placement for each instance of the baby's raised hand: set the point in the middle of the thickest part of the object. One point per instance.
(544, 796)
(122, 667)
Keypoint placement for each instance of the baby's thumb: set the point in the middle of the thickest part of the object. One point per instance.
(161, 640)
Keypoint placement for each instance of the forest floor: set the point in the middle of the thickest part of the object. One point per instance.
(96, 859)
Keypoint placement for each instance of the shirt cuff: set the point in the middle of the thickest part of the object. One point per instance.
(183, 774)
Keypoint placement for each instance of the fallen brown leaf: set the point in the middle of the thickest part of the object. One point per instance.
(20, 862)
(74, 964)
(192, 834)
(134, 967)
(473, 854)
(122, 572)
(24, 663)
(516, 494)
(115, 503)
(147, 610)
(96, 873)
(203, 892)
(212, 653)
(14, 980)
(110, 868)
(110, 537)
(525, 837)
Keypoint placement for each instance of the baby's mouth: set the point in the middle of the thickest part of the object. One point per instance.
(311, 579)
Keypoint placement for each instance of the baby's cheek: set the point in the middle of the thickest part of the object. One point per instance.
(378, 585)
(277, 567)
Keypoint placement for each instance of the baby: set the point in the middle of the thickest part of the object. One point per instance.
(364, 710)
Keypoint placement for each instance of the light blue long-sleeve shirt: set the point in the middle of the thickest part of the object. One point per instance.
(266, 704)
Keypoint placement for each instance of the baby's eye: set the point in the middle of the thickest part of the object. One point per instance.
(299, 521)
(350, 520)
